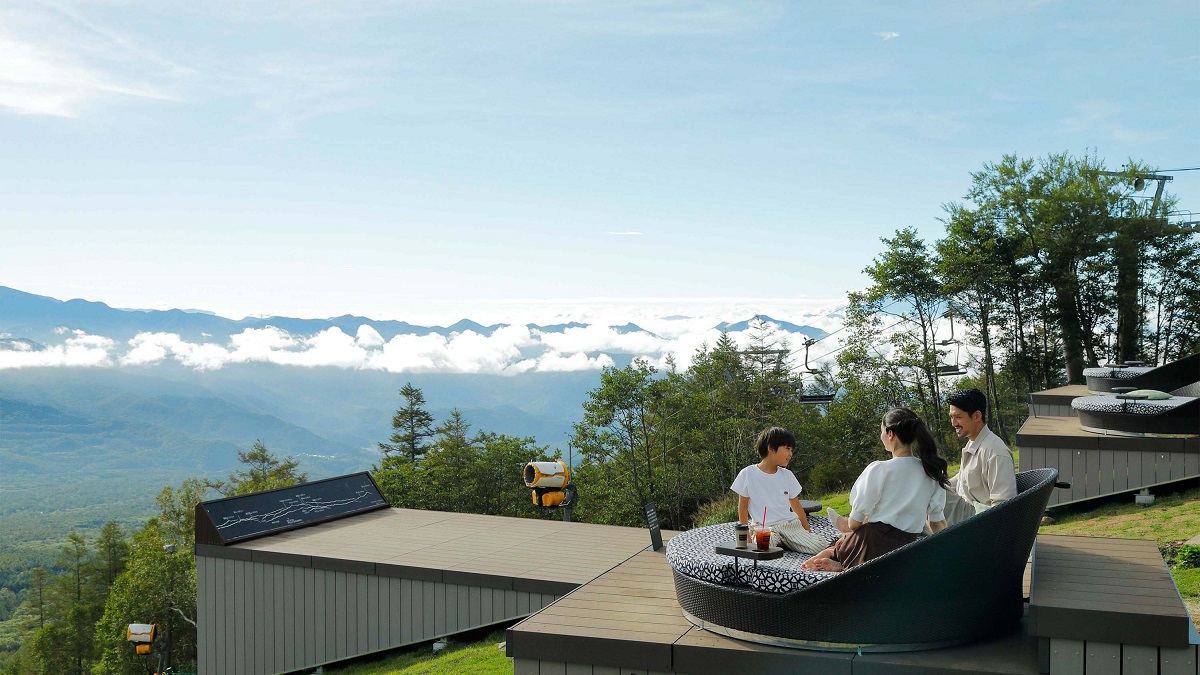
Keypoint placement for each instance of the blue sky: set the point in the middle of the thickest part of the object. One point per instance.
(401, 159)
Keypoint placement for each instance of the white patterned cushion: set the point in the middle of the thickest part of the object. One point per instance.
(1116, 373)
(1112, 404)
(692, 553)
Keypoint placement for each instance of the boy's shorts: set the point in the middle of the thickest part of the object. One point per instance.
(792, 535)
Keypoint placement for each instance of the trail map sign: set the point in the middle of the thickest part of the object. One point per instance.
(225, 521)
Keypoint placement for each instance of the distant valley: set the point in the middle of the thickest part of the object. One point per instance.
(102, 407)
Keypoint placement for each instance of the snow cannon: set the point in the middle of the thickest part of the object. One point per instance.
(551, 487)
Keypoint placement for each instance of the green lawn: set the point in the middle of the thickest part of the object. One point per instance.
(474, 658)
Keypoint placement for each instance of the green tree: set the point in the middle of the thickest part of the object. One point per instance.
(157, 587)
(615, 433)
(449, 467)
(112, 554)
(264, 471)
(498, 475)
(412, 425)
(906, 288)
(1061, 209)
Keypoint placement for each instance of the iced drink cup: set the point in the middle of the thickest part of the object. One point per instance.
(762, 538)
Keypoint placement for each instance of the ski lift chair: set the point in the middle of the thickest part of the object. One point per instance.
(948, 370)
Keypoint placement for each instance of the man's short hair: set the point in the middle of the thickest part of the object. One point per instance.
(774, 437)
(968, 401)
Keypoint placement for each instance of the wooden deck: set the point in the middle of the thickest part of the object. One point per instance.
(491, 551)
(375, 581)
(1097, 464)
(628, 621)
(1056, 402)
(1105, 590)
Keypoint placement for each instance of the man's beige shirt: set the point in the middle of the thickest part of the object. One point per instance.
(987, 474)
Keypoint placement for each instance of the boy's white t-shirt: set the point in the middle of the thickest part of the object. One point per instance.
(772, 490)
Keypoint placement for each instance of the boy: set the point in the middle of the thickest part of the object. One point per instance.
(770, 485)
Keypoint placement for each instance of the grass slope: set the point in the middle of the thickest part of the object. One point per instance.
(483, 657)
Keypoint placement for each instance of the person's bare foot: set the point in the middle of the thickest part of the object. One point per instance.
(838, 521)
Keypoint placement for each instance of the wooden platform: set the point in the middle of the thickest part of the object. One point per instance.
(1098, 464)
(628, 621)
(375, 581)
(1105, 590)
(491, 551)
(1056, 402)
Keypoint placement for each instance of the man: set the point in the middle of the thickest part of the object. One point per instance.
(986, 475)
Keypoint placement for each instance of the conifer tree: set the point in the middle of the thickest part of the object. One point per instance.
(412, 425)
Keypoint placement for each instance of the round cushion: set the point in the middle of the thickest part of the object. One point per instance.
(1116, 373)
(1112, 404)
(692, 553)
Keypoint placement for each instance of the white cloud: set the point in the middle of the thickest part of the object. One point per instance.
(56, 62)
(80, 350)
(888, 35)
(509, 350)
(625, 234)
(367, 336)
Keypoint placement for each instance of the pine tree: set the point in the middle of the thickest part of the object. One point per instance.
(413, 425)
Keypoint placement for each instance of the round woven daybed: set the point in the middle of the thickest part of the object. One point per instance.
(1176, 415)
(960, 585)
(1167, 377)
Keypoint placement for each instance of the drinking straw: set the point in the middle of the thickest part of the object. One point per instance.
(764, 520)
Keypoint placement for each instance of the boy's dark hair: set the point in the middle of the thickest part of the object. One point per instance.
(968, 401)
(774, 437)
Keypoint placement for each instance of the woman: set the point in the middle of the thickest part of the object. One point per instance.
(892, 499)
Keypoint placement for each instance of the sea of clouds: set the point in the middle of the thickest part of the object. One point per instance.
(509, 350)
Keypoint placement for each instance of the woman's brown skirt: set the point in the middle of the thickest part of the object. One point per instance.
(869, 541)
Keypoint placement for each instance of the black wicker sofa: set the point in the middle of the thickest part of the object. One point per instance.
(959, 585)
(1167, 377)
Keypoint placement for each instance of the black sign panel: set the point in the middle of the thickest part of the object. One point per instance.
(225, 521)
(652, 521)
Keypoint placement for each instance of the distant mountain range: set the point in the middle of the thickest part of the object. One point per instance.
(175, 394)
(37, 319)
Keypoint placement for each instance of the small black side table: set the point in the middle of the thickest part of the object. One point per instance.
(730, 548)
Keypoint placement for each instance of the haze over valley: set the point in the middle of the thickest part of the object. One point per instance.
(102, 407)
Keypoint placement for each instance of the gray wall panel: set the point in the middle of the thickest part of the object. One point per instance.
(1139, 659)
(266, 618)
(331, 601)
(259, 619)
(463, 610)
(429, 600)
(362, 608)
(290, 588)
(405, 611)
(319, 623)
(1093, 474)
(1066, 657)
(309, 620)
(1102, 658)
(1177, 661)
(229, 617)
(479, 605)
(339, 615)
(440, 591)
